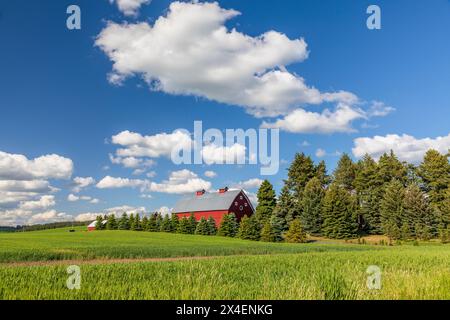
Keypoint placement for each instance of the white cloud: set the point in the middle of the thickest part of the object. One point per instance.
(190, 51)
(49, 216)
(248, 184)
(81, 183)
(214, 154)
(109, 182)
(406, 147)
(43, 203)
(130, 7)
(19, 167)
(118, 211)
(379, 109)
(88, 216)
(320, 153)
(301, 121)
(74, 198)
(164, 211)
(210, 174)
(160, 145)
(179, 182)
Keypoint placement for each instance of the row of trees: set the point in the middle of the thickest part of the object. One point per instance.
(229, 227)
(388, 197)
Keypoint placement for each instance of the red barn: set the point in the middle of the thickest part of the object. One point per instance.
(215, 204)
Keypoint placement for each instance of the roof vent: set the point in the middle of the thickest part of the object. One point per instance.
(201, 192)
(223, 190)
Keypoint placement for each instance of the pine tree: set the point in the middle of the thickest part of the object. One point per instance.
(296, 234)
(152, 224)
(202, 227)
(192, 224)
(422, 222)
(311, 216)
(391, 209)
(389, 167)
(144, 223)
(212, 226)
(99, 223)
(435, 174)
(266, 202)
(184, 226)
(132, 222)
(344, 175)
(299, 173)
(111, 223)
(321, 174)
(267, 233)
(158, 221)
(166, 224)
(249, 228)
(123, 222)
(137, 222)
(369, 187)
(174, 223)
(338, 211)
(444, 218)
(228, 226)
(284, 211)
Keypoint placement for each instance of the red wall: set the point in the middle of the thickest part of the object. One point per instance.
(217, 215)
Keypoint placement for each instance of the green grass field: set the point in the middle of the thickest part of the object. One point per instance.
(236, 270)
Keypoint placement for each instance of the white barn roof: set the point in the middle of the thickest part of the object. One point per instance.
(207, 202)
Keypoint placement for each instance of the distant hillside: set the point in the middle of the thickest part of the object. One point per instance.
(45, 226)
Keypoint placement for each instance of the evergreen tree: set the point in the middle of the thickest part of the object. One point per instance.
(435, 174)
(296, 234)
(345, 172)
(123, 222)
(338, 211)
(444, 218)
(311, 216)
(369, 191)
(144, 223)
(174, 223)
(266, 202)
(152, 225)
(184, 226)
(391, 209)
(158, 221)
(321, 174)
(228, 226)
(212, 226)
(132, 221)
(202, 227)
(111, 223)
(267, 233)
(418, 214)
(249, 228)
(166, 224)
(137, 222)
(99, 223)
(389, 167)
(299, 173)
(192, 224)
(284, 211)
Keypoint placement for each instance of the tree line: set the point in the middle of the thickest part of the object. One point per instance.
(368, 197)
(385, 197)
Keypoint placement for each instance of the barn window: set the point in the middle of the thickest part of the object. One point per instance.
(236, 203)
(241, 208)
(245, 204)
(241, 197)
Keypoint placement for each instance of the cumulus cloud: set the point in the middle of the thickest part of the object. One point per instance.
(81, 183)
(19, 167)
(43, 203)
(129, 7)
(74, 198)
(210, 174)
(109, 182)
(179, 182)
(302, 121)
(49, 216)
(406, 147)
(320, 153)
(253, 183)
(190, 51)
(214, 154)
(118, 211)
(164, 211)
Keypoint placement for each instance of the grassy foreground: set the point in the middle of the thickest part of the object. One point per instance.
(307, 271)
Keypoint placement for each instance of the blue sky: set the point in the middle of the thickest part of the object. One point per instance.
(55, 97)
